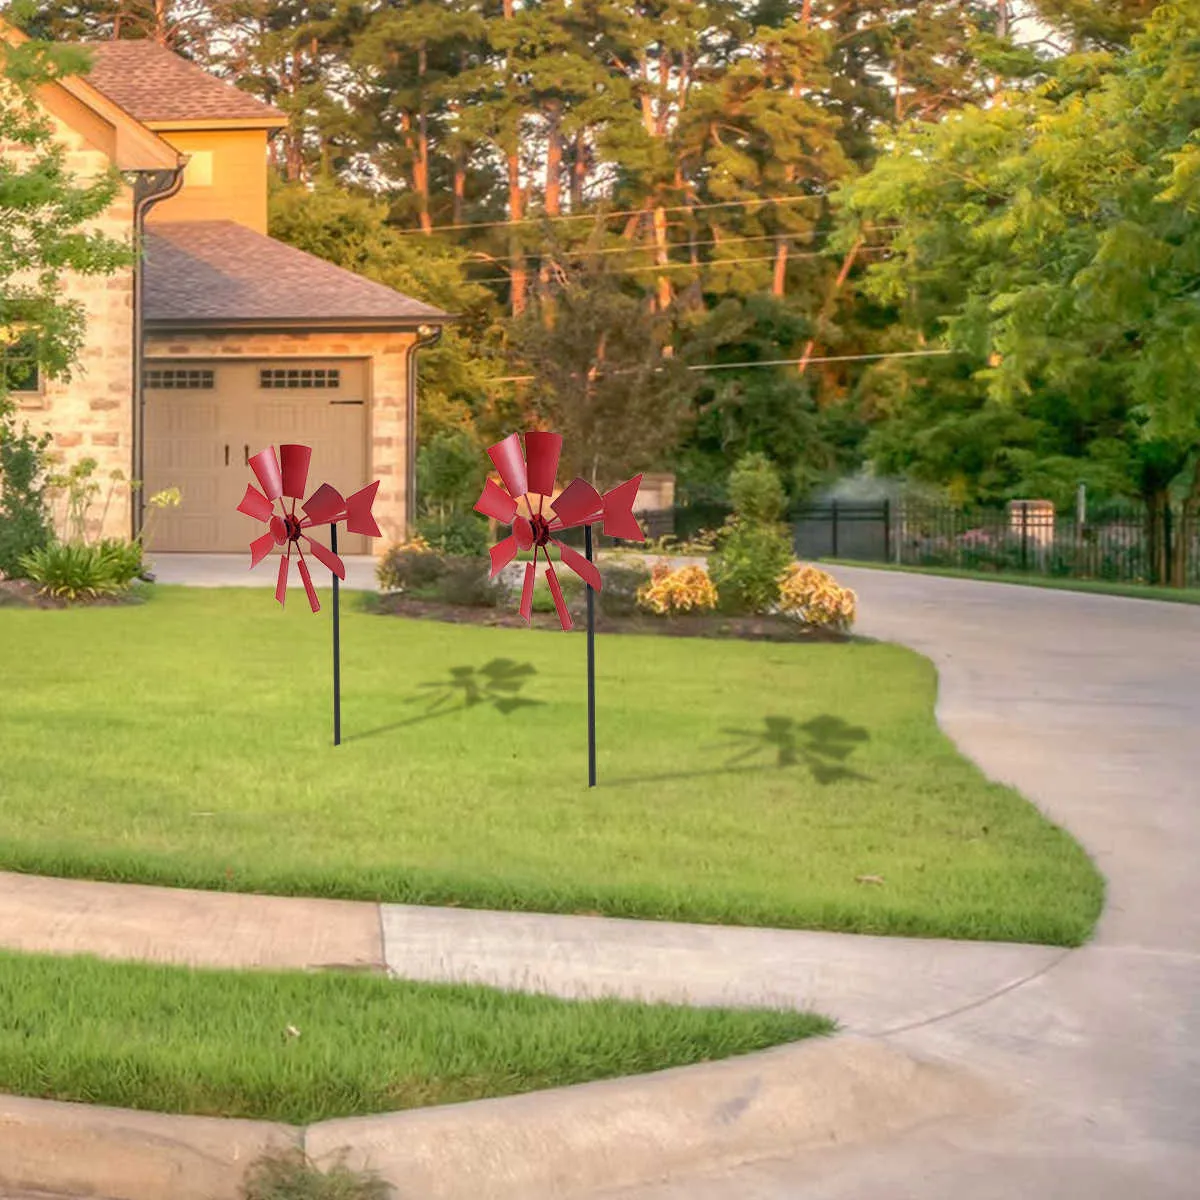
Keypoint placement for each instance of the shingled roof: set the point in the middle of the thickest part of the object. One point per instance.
(157, 86)
(213, 274)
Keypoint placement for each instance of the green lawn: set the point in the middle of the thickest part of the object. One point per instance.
(187, 741)
(221, 1043)
(1103, 587)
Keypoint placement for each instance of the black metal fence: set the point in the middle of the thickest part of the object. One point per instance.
(1120, 543)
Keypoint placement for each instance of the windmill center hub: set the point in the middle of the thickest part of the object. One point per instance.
(291, 528)
(541, 530)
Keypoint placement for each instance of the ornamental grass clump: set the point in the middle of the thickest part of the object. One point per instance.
(668, 592)
(814, 597)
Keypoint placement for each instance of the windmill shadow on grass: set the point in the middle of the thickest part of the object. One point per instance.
(822, 744)
(497, 684)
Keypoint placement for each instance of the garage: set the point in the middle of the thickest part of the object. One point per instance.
(205, 418)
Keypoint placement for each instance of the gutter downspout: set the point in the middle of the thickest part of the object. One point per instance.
(428, 336)
(148, 189)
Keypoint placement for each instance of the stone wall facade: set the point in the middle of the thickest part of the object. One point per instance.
(90, 415)
(387, 415)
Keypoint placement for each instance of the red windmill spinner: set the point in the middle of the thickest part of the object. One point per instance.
(528, 479)
(283, 477)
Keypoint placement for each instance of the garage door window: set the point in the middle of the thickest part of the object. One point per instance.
(300, 377)
(180, 378)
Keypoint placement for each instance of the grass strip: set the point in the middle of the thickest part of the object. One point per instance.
(303, 1047)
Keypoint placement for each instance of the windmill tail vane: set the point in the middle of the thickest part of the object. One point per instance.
(528, 478)
(283, 478)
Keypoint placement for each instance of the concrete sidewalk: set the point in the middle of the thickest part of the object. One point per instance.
(233, 570)
(848, 977)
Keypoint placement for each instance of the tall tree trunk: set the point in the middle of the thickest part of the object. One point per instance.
(578, 171)
(421, 163)
(516, 209)
(162, 22)
(662, 258)
(458, 210)
(554, 158)
(830, 300)
(518, 275)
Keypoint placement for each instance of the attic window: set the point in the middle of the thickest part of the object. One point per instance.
(300, 377)
(179, 378)
(19, 362)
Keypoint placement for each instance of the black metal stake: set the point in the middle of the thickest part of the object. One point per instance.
(337, 649)
(591, 663)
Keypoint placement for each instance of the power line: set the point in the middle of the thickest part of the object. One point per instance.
(774, 362)
(607, 216)
(645, 248)
(826, 358)
(701, 266)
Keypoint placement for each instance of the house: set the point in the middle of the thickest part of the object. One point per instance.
(220, 340)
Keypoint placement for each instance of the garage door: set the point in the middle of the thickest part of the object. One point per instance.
(205, 419)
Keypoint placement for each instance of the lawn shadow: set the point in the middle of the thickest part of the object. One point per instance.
(497, 684)
(822, 744)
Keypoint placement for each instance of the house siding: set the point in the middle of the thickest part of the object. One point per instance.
(91, 414)
(387, 410)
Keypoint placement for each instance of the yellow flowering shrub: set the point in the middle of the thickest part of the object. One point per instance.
(688, 589)
(808, 594)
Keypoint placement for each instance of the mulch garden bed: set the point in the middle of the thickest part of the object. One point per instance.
(22, 593)
(708, 625)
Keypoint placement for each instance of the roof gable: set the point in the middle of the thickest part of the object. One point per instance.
(129, 143)
(164, 90)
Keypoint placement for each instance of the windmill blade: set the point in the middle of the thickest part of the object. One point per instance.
(281, 582)
(255, 504)
(326, 557)
(324, 506)
(260, 548)
(502, 553)
(577, 504)
(556, 591)
(310, 591)
(496, 503)
(585, 570)
(510, 462)
(265, 465)
(542, 452)
(295, 469)
(523, 532)
(619, 521)
(359, 518)
(526, 609)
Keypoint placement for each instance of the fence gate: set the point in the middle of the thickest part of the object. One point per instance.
(852, 529)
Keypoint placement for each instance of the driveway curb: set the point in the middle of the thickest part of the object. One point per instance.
(560, 1143)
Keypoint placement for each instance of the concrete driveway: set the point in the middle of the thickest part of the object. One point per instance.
(1090, 705)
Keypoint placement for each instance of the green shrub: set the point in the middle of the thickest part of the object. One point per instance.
(291, 1175)
(410, 566)
(73, 571)
(464, 580)
(753, 549)
(24, 518)
(460, 533)
(747, 565)
(755, 490)
(618, 596)
(572, 589)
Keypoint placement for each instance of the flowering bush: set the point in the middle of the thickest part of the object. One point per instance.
(808, 594)
(685, 590)
(409, 565)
